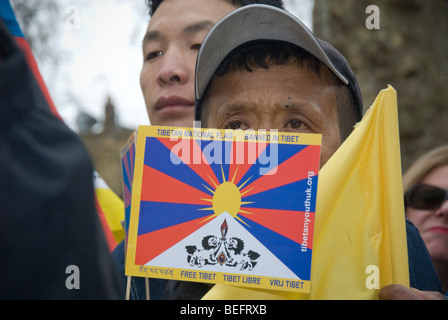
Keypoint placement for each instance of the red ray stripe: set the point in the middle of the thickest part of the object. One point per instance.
(283, 222)
(294, 169)
(202, 168)
(160, 187)
(150, 245)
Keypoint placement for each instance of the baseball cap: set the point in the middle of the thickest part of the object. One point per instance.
(264, 22)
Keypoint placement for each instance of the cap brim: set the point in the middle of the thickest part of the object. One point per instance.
(248, 23)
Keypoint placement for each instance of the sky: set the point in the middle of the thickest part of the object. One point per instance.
(101, 40)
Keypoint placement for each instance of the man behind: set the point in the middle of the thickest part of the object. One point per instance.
(170, 47)
(282, 77)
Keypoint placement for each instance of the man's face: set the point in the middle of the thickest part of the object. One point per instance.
(287, 97)
(170, 47)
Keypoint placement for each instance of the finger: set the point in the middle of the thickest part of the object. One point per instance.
(398, 292)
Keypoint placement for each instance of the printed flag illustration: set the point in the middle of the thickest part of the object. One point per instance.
(360, 242)
(223, 206)
(127, 170)
(109, 206)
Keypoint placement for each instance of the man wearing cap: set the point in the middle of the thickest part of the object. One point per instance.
(261, 68)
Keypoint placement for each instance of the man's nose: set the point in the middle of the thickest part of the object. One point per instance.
(173, 69)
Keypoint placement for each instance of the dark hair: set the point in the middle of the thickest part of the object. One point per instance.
(154, 4)
(263, 53)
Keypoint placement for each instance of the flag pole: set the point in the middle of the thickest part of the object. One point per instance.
(128, 287)
(147, 288)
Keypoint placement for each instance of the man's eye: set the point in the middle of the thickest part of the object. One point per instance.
(296, 124)
(235, 125)
(196, 46)
(153, 55)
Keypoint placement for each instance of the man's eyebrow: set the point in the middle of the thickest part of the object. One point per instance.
(198, 26)
(299, 106)
(151, 36)
(295, 105)
(231, 108)
(237, 107)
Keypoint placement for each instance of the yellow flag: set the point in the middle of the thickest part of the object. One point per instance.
(112, 207)
(360, 233)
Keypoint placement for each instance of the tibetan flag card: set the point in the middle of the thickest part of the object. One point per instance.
(127, 154)
(224, 206)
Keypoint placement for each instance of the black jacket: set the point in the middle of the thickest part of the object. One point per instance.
(48, 220)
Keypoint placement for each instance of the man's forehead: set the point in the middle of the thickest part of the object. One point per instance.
(288, 86)
(184, 12)
(156, 33)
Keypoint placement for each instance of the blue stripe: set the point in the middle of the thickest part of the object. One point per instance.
(9, 17)
(287, 251)
(159, 215)
(288, 197)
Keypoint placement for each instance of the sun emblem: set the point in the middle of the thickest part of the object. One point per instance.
(227, 197)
